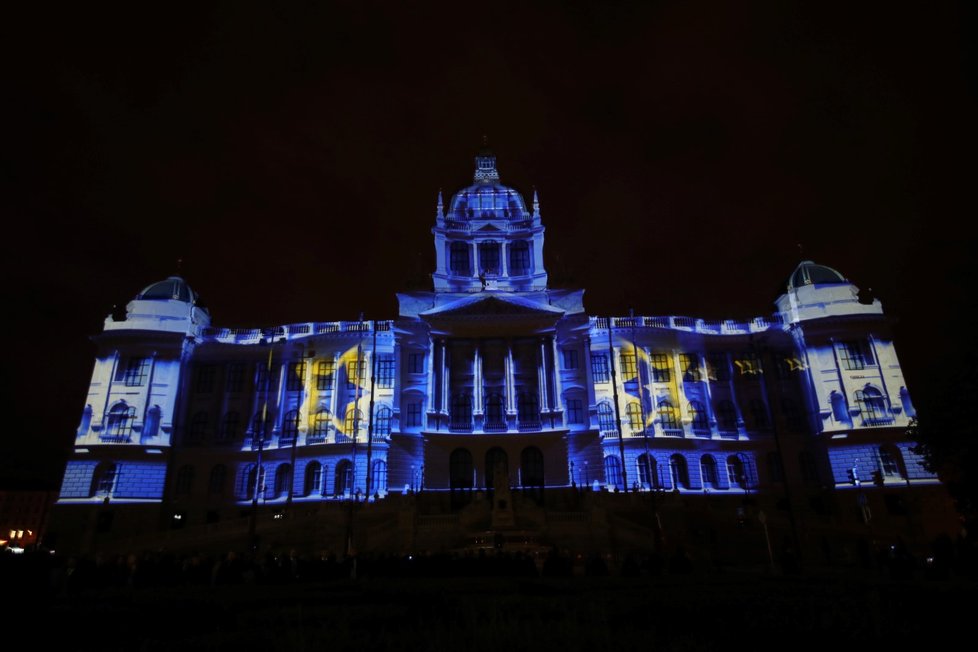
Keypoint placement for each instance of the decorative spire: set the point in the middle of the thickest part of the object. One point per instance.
(536, 203)
(440, 210)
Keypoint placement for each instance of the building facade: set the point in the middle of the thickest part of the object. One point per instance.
(491, 381)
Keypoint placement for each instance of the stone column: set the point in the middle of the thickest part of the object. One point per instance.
(503, 260)
(477, 379)
(510, 404)
(542, 377)
(558, 399)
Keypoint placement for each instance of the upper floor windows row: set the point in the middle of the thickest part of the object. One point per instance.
(855, 355)
(133, 372)
(490, 258)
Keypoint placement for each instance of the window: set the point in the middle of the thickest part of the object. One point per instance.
(134, 372)
(718, 367)
(414, 414)
(726, 416)
(489, 258)
(234, 378)
(378, 477)
(296, 377)
(217, 479)
(575, 410)
(494, 412)
(736, 472)
(612, 471)
(519, 258)
(606, 418)
(599, 368)
(459, 259)
(634, 412)
(204, 382)
(872, 405)
(229, 426)
(382, 421)
(290, 426)
(758, 413)
(355, 371)
(119, 423)
(461, 411)
(855, 355)
(647, 471)
(353, 422)
(689, 366)
(283, 480)
(627, 361)
(748, 365)
(460, 472)
(570, 358)
(667, 416)
(198, 426)
(103, 479)
(320, 425)
(791, 414)
(679, 472)
(531, 467)
(254, 482)
(697, 415)
(891, 462)
(262, 383)
(528, 408)
(185, 480)
(313, 479)
(258, 427)
(416, 363)
(343, 480)
(660, 367)
(324, 375)
(385, 371)
(708, 466)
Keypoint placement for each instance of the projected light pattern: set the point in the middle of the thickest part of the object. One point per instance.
(491, 370)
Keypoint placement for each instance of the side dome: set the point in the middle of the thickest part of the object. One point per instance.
(487, 199)
(810, 273)
(173, 288)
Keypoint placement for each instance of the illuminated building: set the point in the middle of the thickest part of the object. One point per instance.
(492, 381)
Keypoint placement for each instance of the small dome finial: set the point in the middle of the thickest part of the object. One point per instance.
(485, 164)
(536, 203)
(440, 209)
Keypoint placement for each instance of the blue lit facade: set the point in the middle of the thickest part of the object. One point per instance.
(491, 378)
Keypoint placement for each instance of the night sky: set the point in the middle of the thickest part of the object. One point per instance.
(291, 156)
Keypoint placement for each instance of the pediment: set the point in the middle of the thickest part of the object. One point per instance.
(495, 305)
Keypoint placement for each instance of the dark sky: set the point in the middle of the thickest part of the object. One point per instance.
(291, 157)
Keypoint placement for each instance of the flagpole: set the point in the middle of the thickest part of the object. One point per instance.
(614, 389)
(370, 418)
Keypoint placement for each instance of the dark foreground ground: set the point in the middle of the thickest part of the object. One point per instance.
(472, 605)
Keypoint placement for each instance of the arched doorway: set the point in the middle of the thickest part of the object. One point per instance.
(496, 461)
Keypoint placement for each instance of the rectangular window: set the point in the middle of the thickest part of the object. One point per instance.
(627, 366)
(234, 379)
(296, 377)
(575, 410)
(660, 367)
(354, 372)
(599, 368)
(570, 358)
(855, 355)
(748, 365)
(489, 258)
(324, 375)
(204, 383)
(416, 363)
(718, 367)
(689, 365)
(134, 372)
(413, 414)
(385, 371)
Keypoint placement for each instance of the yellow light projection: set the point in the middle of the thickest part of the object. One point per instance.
(660, 366)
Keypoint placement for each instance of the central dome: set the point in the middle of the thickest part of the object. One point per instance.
(487, 199)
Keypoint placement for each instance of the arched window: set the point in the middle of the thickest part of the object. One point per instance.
(758, 413)
(382, 422)
(254, 482)
(528, 407)
(840, 411)
(283, 480)
(215, 483)
(679, 471)
(259, 427)
(343, 479)
(378, 477)
(495, 420)
(119, 423)
(185, 481)
(313, 479)
(459, 259)
(612, 472)
(152, 426)
(634, 412)
(648, 474)
(320, 425)
(736, 472)
(229, 426)
(290, 426)
(531, 467)
(460, 474)
(353, 422)
(103, 480)
(726, 416)
(697, 415)
(667, 416)
(708, 467)
(497, 465)
(606, 418)
(519, 258)
(891, 462)
(461, 417)
(489, 258)
(872, 405)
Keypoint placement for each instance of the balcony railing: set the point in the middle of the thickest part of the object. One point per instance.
(495, 426)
